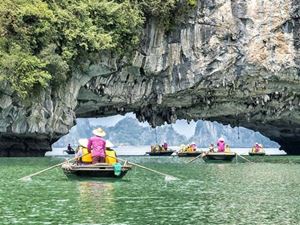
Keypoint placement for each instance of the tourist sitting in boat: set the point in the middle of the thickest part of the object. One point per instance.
(165, 146)
(83, 156)
(97, 145)
(182, 148)
(110, 154)
(221, 145)
(157, 148)
(188, 148)
(211, 148)
(227, 148)
(256, 148)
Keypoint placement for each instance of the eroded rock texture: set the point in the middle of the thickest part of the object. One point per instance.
(232, 61)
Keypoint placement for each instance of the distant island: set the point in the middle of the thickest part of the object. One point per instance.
(129, 131)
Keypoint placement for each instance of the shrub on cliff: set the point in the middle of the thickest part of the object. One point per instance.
(41, 40)
(168, 12)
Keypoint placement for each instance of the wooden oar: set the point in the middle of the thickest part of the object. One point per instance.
(167, 176)
(28, 177)
(201, 155)
(204, 153)
(243, 158)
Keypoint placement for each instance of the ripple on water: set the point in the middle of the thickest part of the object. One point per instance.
(258, 193)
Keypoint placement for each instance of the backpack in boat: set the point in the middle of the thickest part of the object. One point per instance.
(117, 169)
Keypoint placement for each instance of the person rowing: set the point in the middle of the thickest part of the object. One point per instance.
(97, 145)
(221, 145)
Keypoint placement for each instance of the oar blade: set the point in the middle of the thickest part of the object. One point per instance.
(26, 179)
(169, 178)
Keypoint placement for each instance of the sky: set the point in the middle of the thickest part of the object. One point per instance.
(181, 126)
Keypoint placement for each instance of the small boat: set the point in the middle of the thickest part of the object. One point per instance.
(257, 153)
(258, 150)
(99, 170)
(161, 153)
(70, 152)
(219, 156)
(189, 154)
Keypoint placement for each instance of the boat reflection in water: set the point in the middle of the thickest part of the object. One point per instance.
(96, 200)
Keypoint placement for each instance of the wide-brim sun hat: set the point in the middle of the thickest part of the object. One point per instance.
(99, 132)
(109, 144)
(221, 139)
(83, 142)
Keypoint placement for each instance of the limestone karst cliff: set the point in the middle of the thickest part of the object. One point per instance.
(235, 62)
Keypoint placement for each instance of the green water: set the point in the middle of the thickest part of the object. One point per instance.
(242, 193)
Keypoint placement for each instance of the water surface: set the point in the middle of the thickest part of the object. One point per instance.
(235, 193)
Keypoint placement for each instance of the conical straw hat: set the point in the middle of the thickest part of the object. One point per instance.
(109, 144)
(83, 142)
(99, 132)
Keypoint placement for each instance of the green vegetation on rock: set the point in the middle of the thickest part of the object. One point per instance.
(42, 40)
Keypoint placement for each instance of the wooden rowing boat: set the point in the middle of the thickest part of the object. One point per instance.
(189, 154)
(219, 156)
(160, 153)
(70, 152)
(99, 170)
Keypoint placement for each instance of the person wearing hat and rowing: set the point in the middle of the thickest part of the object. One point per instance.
(221, 145)
(165, 146)
(97, 145)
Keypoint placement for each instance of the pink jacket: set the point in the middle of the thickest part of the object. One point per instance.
(165, 146)
(97, 145)
(221, 146)
(194, 147)
(257, 148)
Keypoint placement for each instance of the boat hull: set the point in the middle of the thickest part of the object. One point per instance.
(222, 157)
(165, 153)
(69, 152)
(188, 154)
(257, 153)
(98, 171)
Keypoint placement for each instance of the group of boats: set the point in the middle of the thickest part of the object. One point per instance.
(206, 156)
(105, 170)
(197, 153)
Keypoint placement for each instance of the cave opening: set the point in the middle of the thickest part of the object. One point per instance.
(125, 131)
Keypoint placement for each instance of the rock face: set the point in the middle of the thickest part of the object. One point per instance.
(235, 62)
